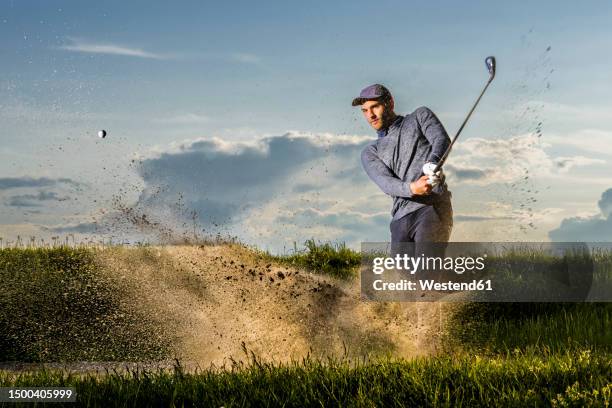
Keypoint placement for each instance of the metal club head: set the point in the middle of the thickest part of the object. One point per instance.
(490, 61)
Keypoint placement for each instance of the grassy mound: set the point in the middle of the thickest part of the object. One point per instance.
(550, 327)
(58, 305)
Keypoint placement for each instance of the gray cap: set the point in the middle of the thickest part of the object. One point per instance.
(376, 91)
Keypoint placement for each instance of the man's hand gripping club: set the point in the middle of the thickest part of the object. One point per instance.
(433, 178)
(426, 183)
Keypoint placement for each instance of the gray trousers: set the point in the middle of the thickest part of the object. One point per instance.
(414, 233)
(423, 233)
(432, 223)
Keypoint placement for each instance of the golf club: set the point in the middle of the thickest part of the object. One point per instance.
(490, 62)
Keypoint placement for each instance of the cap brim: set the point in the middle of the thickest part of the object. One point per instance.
(359, 101)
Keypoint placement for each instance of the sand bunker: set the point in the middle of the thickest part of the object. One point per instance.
(220, 299)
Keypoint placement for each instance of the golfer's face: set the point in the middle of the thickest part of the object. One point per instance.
(375, 113)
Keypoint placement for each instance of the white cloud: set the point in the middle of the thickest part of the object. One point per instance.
(588, 140)
(596, 227)
(564, 164)
(268, 191)
(92, 47)
(79, 45)
(488, 161)
(207, 145)
(216, 145)
(326, 139)
(273, 190)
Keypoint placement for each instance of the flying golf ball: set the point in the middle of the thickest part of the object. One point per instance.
(102, 134)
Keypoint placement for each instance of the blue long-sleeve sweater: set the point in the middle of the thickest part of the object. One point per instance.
(395, 160)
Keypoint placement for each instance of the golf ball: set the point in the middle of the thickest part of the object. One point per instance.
(102, 134)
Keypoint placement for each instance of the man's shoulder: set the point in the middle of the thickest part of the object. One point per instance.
(418, 116)
(370, 147)
(419, 113)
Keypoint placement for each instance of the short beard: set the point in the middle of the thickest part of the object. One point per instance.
(388, 118)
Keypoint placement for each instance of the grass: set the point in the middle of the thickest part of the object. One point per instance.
(58, 304)
(334, 259)
(582, 379)
(552, 327)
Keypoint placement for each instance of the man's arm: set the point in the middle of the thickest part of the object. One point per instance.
(434, 132)
(382, 175)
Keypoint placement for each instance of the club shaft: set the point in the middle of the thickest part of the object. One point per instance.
(443, 159)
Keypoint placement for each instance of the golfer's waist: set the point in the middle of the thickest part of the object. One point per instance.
(403, 206)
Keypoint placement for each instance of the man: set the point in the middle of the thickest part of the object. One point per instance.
(401, 162)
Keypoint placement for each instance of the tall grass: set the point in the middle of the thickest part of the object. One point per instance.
(582, 379)
(66, 241)
(555, 327)
(334, 259)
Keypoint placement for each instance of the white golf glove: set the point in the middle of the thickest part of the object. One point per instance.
(434, 179)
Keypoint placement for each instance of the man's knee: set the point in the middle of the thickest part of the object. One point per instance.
(430, 227)
(401, 229)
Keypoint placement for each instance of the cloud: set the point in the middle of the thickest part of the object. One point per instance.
(478, 218)
(82, 228)
(349, 220)
(79, 45)
(235, 187)
(605, 203)
(586, 140)
(564, 164)
(276, 189)
(595, 228)
(241, 188)
(34, 200)
(91, 47)
(466, 173)
(23, 182)
(583, 230)
(488, 161)
(223, 179)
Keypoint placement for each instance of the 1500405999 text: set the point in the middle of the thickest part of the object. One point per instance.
(37, 394)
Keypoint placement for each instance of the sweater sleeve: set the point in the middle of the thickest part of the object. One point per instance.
(434, 132)
(382, 175)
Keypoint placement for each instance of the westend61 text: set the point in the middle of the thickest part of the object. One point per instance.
(475, 285)
(432, 263)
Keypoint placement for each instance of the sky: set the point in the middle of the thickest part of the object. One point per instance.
(234, 118)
